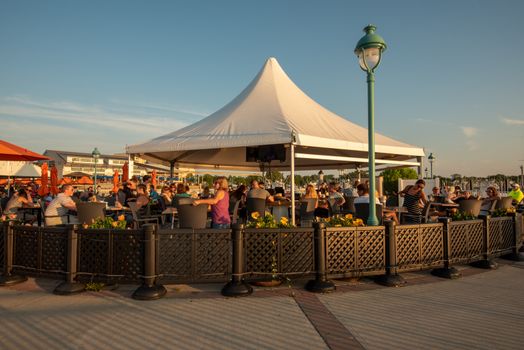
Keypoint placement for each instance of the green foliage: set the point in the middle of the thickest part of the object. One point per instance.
(391, 177)
(267, 221)
(502, 212)
(94, 286)
(462, 216)
(343, 221)
(108, 222)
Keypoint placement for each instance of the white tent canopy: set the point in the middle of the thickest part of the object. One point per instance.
(19, 169)
(273, 110)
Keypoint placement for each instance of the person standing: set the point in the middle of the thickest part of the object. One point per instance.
(516, 194)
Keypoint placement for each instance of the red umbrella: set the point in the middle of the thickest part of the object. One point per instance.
(43, 190)
(125, 172)
(8, 151)
(54, 181)
(153, 178)
(115, 181)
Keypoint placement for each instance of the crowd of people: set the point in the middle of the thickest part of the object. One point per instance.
(222, 199)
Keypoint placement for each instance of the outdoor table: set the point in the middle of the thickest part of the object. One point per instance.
(448, 207)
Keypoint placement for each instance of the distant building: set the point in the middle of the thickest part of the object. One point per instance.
(73, 162)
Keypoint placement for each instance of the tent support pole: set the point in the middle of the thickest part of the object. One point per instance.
(420, 168)
(292, 152)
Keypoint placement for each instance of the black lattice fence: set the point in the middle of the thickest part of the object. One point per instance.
(419, 246)
(355, 251)
(111, 255)
(186, 255)
(501, 236)
(40, 251)
(466, 241)
(3, 228)
(278, 251)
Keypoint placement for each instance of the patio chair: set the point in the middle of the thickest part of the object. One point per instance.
(139, 219)
(349, 205)
(504, 203)
(407, 218)
(307, 212)
(88, 212)
(191, 216)
(488, 210)
(362, 212)
(234, 212)
(470, 206)
(256, 205)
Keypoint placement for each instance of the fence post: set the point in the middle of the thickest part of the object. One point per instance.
(446, 271)
(515, 254)
(70, 285)
(391, 278)
(487, 262)
(237, 287)
(8, 278)
(320, 284)
(149, 290)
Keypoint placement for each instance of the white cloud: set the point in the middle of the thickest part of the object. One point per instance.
(513, 121)
(70, 125)
(469, 131)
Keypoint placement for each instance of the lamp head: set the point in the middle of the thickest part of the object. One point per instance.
(95, 153)
(369, 49)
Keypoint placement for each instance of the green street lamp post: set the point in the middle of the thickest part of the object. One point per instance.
(96, 155)
(431, 159)
(369, 52)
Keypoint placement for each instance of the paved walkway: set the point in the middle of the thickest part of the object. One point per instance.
(482, 310)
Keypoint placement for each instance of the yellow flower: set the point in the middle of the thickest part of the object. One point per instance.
(114, 224)
(283, 220)
(349, 216)
(259, 225)
(255, 215)
(121, 218)
(85, 225)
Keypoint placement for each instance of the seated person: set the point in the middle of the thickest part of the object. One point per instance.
(336, 199)
(363, 197)
(463, 195)
(57, 211)
(17, 201)
(492, 195)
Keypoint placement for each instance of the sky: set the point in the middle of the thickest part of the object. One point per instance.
(75, 75)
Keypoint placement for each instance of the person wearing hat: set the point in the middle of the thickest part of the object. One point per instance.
(516, 194)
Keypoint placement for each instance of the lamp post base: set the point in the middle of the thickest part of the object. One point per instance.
(153, 292)
(446, 272)
(391, 280)
(319, 286)
(237, 289)
(68, 288)
(485, 264)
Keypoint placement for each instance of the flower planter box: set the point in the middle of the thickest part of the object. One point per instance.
(355, 251)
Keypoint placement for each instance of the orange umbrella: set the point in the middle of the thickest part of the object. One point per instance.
(153, 178)
(8, 151)
(84, 180)
(43, 190)
(65, 180)
(54, 181)
(115, 181)
(125, 172)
